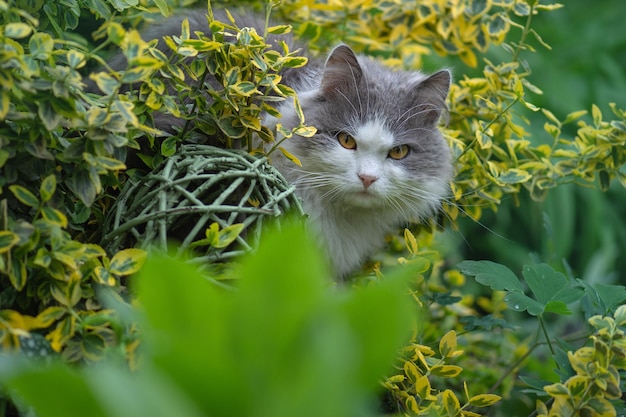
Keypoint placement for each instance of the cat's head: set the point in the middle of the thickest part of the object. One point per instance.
(377, 146)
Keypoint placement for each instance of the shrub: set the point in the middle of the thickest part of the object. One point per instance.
(64, 153)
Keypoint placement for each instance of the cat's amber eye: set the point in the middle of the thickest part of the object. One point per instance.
(346, 140)
(399, 152)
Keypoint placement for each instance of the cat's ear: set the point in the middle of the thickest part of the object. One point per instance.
(431, 95)
(342, 71)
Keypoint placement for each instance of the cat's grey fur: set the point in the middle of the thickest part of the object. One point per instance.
(355, 197)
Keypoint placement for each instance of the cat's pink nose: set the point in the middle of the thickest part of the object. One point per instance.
(367, 180)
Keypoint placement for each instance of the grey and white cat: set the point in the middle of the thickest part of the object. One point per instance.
(378, 160)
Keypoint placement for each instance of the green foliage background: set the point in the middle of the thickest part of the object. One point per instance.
(539, 188)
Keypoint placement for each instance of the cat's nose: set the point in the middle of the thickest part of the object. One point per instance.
(367, 180)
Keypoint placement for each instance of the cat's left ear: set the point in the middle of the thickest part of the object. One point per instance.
(342, 71)
(431, 95)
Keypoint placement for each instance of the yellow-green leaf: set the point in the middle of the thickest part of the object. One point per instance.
(24, 196)
(110, 164)
(48, 187)
(289, 156)
(446, 371)
(8, 239)
(411, 371)
(422, 388)
(127, 261)
(484, 400)
(279, 29)
(557, 390)
(54, 216)
(47, 317)
(451, 403)
(227, 235)
(514, 176)
(447, 344)
(17, 30)
(5, 102)
(105, 82)
(410, 242)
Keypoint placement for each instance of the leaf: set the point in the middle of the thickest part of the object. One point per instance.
(108, 163)
(54, 216)
(496, 276)
(447, 344)
(514, 176)
(168, 147)
(105, 82)
(24, 196)
(410, 242)
(47, 317)
(8, 239)
(48, 187)
(520, 302)
(228, 235)
(446, 371)
(127, 261)
(5, 104)
(484, 400)
(279, 29)
(557, 390)
(544, 281)
(557, 307)
(81, 185)
(290, 156)
(48, 115)
(17, 30)
(51, 390)
(18, 274)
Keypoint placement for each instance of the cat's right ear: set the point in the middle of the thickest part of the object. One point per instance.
(342, 71)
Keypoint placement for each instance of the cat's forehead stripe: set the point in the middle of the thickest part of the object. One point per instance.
(373, 134)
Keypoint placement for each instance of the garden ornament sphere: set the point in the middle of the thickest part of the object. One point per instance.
(190, 191)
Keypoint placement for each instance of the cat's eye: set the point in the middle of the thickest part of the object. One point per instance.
(346, 140)
(399, 152)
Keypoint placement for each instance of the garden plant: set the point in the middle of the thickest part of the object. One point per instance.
(426, 329)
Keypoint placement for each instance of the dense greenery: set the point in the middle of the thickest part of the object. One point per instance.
(491, 341)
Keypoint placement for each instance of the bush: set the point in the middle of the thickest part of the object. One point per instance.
(64, 155)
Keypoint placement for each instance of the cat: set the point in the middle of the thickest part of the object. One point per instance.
(378, 160)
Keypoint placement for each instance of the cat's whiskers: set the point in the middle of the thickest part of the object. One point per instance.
(403, 119)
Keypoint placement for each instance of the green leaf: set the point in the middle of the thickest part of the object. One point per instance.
(48, 115)
(51, 390)
(544, 281)
(24, 196)
(496, 276)
(558, 307)
(81, 185)
(127, 261)
(518, 301)
(168, 147)
(48, 187)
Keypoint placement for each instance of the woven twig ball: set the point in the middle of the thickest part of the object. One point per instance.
(191, 190)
